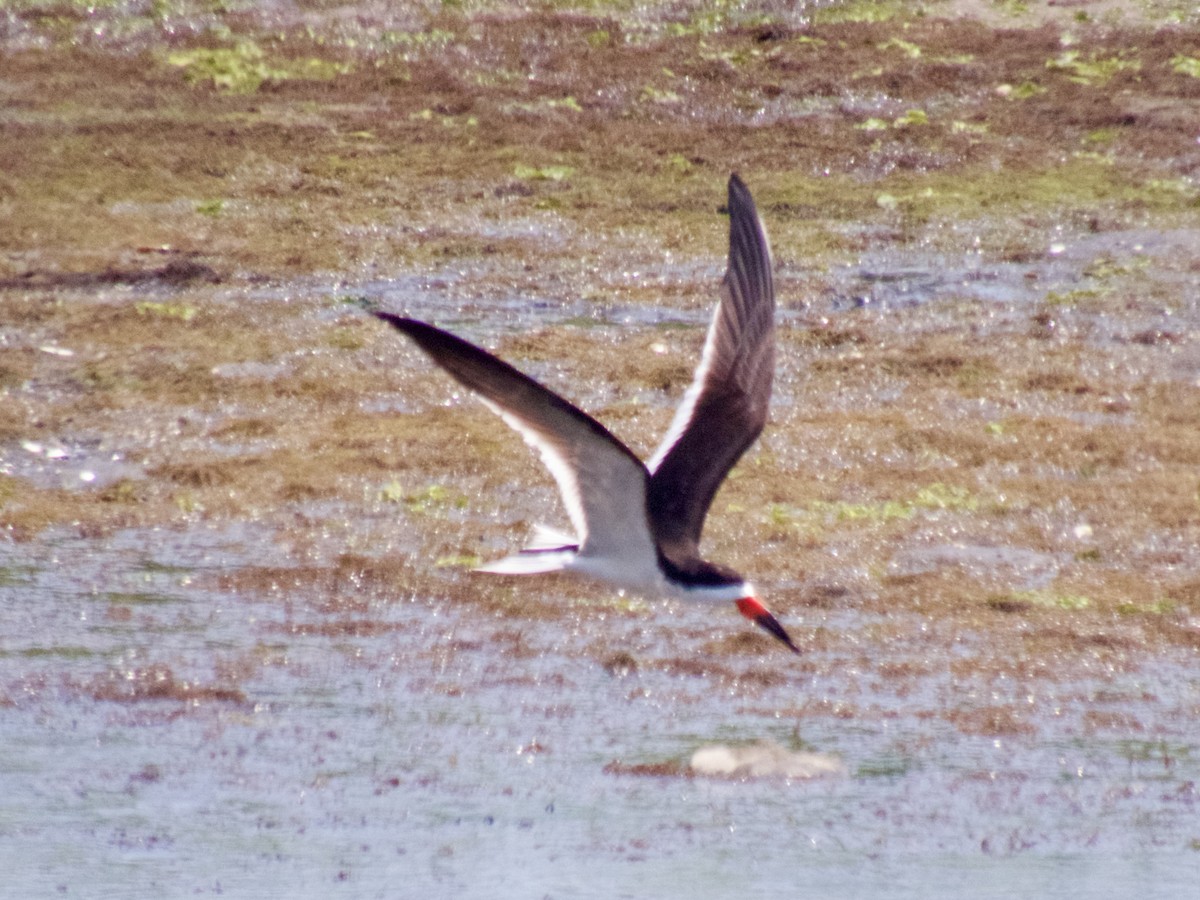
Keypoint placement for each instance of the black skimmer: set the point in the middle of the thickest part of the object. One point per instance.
(637, 526)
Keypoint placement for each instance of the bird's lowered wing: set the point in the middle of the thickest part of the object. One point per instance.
(603, 484)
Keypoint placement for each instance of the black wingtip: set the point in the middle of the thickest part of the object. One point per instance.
(739, 194)
(394, 320)
(428, 338)
(446, 349)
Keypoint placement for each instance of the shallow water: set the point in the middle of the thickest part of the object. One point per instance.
(434, 754)
(169, 731)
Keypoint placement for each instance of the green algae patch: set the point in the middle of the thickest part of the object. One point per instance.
(431, 500)
(1093, 68)
(933, 497)
(58, 652)
(1186, 65)
(1047, 599)
(543, 173)
(863, 11)
(13, 575)
(244, 67)
(461, 561)
(181, 311)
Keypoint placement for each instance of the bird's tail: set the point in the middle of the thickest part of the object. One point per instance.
(549, 550)
(530, 562)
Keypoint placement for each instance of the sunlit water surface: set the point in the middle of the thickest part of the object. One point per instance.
(344, 769)
(167, 734)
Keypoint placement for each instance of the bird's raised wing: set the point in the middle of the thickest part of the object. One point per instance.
(725, 407)
(603, 484)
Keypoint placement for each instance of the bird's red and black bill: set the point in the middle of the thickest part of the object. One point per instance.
(761, 616)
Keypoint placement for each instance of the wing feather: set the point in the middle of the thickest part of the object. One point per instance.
(603, 485)
(725, 408)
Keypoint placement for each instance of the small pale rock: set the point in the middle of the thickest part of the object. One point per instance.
(764, 759)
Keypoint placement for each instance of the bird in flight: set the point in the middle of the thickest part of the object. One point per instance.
(637, 525)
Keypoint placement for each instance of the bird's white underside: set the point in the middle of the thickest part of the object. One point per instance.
(615, 544)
